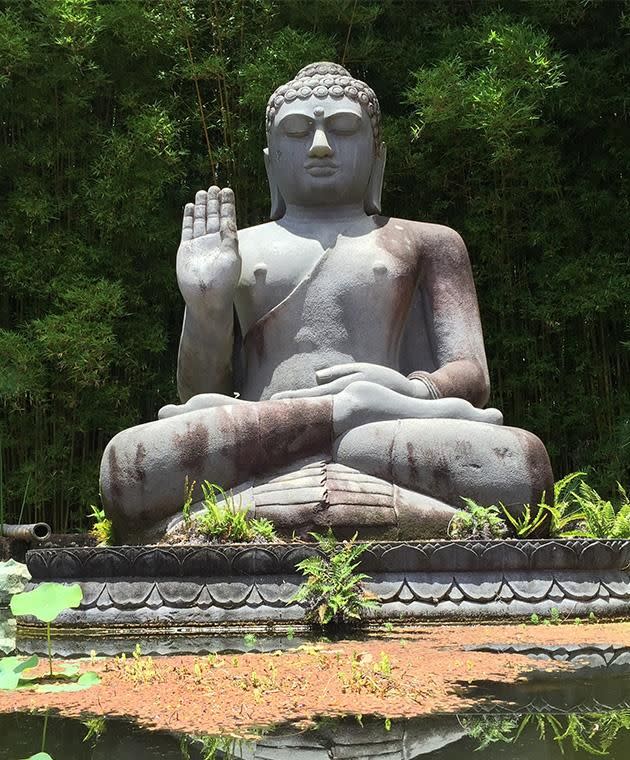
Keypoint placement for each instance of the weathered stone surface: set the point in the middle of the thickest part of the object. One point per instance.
(13, 579)
(222, 586)
(7, 631)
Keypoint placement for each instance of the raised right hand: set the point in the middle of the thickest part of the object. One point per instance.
(208, 261)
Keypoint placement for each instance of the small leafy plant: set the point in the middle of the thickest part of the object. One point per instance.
(477, 523)
(333, 590)
(228, 522)
(103, 528)
(578, 511)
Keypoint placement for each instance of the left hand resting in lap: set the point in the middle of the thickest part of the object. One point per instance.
(340, 376)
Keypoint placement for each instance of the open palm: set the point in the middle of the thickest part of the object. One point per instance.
(208, 261)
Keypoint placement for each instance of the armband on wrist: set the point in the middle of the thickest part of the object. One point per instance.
(425, 379)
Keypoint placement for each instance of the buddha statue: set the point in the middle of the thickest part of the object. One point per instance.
(331, 367)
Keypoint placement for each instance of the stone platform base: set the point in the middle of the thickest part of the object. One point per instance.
(229, 587)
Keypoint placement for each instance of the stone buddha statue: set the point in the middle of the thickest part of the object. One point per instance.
(331, 367)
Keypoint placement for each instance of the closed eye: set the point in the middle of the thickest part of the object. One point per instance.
(344, 123)
(296, 125)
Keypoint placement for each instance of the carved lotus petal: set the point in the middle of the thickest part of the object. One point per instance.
(106, 563)
(578, 587)
(180, 593)
(554, 555)
(276, 592)
(481, 590)
(230, 593)
(403, 557)
(387, 590)
(454, 556)
(296, 555)
(617, 583)
(255, 561)
(430, 588)
(531, 589)
(64, 563)
(157, 563)
(129, 595)
(598, 555)
(206, 562)
(504, 556)
(91, 592)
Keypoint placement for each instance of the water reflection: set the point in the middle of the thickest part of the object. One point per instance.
(519, 736)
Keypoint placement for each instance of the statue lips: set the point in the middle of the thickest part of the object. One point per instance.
(321, 168)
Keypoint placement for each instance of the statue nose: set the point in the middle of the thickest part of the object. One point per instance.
(320, 147)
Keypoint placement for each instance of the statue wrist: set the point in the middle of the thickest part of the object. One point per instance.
(426, 384)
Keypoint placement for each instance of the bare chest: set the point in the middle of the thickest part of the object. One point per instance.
(355, 276)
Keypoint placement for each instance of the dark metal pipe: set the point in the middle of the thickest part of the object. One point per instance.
(35, 532)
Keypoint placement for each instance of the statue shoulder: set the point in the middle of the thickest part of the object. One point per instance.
(264, 230)
(253, 241)
(432, 240)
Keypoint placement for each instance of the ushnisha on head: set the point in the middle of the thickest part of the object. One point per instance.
(324, 141)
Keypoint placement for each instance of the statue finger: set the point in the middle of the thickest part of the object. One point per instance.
(212, 210)
(227, 208)
(199, 215)
(319, 390)
(227, 216)
(336, 371)
(187, 222)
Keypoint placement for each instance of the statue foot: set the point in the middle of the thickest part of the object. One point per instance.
(364, 402)
(201, 401)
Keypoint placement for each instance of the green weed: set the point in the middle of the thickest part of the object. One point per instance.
(227, 521)
(103, 528)
(476, 522)
(527, 522)
(188, 500)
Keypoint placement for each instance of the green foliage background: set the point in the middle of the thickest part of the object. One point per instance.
(507, 121)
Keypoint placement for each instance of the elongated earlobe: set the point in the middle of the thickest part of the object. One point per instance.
(372, 203)
(278, 206)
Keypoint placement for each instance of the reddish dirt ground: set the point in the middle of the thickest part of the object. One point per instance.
(421, 671)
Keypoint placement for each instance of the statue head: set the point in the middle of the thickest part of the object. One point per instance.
(324, 141)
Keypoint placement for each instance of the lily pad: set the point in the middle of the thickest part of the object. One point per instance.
(47, 601)
(11, 669)
(39, 756)
(84, 682)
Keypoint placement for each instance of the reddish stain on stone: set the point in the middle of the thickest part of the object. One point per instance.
(191, 449)
(139, 470)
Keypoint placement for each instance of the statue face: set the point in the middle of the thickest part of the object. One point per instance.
(321, 151)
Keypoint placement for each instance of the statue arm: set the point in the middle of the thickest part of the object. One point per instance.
(208, 272)
(457, 338)
(204, 361)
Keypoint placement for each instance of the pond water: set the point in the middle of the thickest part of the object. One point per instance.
(575, 715)
(516, 735)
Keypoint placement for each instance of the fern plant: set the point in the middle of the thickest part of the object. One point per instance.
(333, 590)
(600, 518)
(580, 512)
